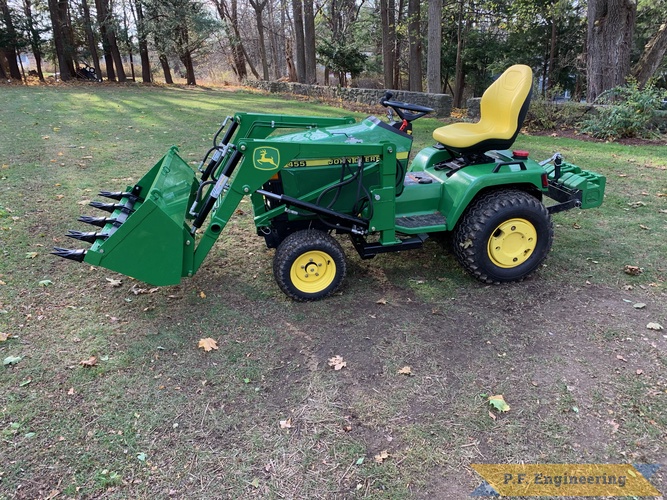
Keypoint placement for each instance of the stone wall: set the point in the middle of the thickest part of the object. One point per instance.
(441, 103)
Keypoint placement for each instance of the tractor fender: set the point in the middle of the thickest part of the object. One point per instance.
(464, 186)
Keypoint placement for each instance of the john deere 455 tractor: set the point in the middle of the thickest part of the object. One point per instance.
(310, 177)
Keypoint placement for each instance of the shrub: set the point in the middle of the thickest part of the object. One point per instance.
(549, 115)
(625, 111)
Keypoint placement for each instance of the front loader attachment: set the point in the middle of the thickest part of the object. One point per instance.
(146, 235)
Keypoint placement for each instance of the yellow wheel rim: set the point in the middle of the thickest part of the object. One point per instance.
(512, 243)
(313, 271)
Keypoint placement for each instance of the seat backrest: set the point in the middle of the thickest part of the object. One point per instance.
(505, 103)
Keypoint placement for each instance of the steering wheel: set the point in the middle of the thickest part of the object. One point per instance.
(405, 111)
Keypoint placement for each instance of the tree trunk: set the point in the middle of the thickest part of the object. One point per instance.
(252, 67)
(654, 53)
(291, 69)
(164, 62)
(300, 51)
(68, 35)
(388, 43)
(395, 18)
(309, 41)
(59, 42)
(100, 5)
(433, 56)
(611, 26)
(258, 7)
(90, 38)
(459, 75)
(115, 53)
(35, 41)
(109, 42)
(3, 74)
(231, 16)
(273, 45)
(128, 40)
(552, 52)
(142, 37)
(182, 42)
(186, 59)
(415, 53)
(10, 49)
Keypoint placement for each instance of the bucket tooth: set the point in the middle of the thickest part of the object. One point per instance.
(67, 253)
(108, 207)
(97, 221)
(117, 195)
(89, 237)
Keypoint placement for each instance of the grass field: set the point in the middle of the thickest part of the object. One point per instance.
(264, 416)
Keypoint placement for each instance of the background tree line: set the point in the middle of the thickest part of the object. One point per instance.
(452, 46)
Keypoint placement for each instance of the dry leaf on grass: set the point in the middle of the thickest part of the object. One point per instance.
(654, 326)
(286, 424)
(202, 295)
(208, 344)
(621, 358)
(632, 270)
(614, 426)
(406, 370)
(382, 456)
(114, 282)
(381, 301)
(3, 336)
(337, 363)
(139, 291)
(87, 363)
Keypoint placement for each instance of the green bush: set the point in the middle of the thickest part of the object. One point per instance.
(549, 115)
(625, 111)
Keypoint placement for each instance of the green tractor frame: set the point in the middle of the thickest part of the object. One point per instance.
(309, 178)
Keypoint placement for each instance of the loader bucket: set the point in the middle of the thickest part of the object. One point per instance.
(146, 235)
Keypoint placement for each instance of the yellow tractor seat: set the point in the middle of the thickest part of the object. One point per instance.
(503, 108)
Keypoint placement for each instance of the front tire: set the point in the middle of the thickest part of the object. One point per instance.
(503, 236)
(309, 265)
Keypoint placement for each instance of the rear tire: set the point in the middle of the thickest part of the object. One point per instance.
(309, 265)
(503, 236)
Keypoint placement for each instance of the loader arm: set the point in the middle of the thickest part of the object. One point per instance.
(261, 160)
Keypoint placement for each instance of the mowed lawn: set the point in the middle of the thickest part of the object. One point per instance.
(264, 415)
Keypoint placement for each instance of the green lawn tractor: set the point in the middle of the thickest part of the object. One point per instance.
(309, 178)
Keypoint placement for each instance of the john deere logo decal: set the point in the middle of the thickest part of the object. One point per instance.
(266, 158)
